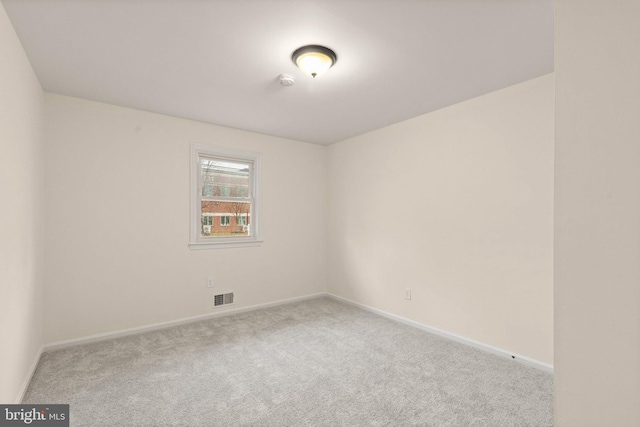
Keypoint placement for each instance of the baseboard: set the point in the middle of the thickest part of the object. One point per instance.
(546, 367)
(156, 326)
(27, 380)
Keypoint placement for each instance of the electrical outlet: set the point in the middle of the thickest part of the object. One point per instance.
(407, 293)
(209, 282)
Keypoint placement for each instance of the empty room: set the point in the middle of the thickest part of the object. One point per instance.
(319, 213)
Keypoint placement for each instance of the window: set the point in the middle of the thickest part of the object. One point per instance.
(224, 184)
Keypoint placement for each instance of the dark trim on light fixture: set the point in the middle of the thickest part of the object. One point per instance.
(314, 48)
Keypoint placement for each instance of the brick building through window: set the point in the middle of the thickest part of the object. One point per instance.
(227, 211)
(219, 218)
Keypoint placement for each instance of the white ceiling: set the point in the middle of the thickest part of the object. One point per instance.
(217, 61)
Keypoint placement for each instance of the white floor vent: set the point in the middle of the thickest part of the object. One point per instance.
(222, 299)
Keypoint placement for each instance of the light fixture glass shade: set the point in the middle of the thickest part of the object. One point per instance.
(314, 60)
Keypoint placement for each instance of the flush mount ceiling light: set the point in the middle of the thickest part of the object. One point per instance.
(314, 59)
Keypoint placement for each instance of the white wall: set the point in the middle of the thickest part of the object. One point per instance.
(117, 227)
(21, 215)
(458, 206)
(597, 216)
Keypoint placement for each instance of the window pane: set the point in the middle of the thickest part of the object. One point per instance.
(206, 225)
(223, 179)
(233, 218)
(207, 190)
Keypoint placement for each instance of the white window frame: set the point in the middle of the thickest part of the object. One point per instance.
(228, 221)
(196, 241)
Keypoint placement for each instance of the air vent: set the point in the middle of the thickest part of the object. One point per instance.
(222, 299)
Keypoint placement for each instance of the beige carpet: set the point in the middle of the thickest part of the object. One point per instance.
(313, 363)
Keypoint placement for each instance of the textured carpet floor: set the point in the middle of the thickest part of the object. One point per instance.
(312, 363)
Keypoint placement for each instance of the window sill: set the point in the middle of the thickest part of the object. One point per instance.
(219, 245)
